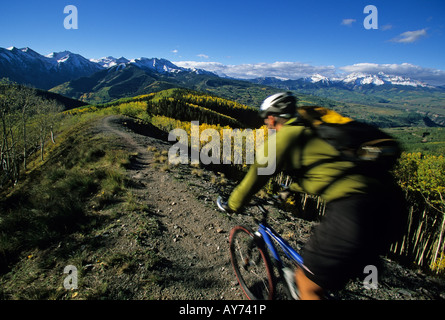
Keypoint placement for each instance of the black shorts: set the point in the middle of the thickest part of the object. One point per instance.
(352, 234)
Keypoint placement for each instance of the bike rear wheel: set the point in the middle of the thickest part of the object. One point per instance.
(251, 263)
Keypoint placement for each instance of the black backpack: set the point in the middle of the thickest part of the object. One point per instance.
(369, 147)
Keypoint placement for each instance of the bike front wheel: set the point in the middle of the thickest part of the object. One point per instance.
(251, 263)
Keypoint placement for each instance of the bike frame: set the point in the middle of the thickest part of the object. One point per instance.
(268, 233)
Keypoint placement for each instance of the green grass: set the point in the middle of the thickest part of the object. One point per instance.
(74, 209)
(82, 171)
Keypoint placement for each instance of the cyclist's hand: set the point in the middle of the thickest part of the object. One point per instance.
(223, 206)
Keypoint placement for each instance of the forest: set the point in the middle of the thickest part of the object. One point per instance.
(27, 120)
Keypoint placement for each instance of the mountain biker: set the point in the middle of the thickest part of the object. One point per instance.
(364, 213)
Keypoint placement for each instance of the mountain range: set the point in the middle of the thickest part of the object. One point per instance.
(29, 67)
(21, 64)
(109, 78)
(358, 78)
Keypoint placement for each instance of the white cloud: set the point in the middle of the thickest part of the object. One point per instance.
(204, 56)
(175, 51)
(386, 27)
(297, 70)
(348, 22)
(410, 36)
(283, 70)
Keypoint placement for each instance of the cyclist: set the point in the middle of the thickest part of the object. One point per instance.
(364, 213)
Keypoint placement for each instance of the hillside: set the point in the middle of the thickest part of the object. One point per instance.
(128, 81)
(421, 175)
(413, 131)
(111, 84)
(104, 198)
(141, 231)
(65, 102)
(430, 141)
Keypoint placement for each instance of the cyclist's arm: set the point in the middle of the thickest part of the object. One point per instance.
(253, 182)
(250, 185)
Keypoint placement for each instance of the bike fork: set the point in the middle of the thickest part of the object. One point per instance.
(287, 273)
(289, 276)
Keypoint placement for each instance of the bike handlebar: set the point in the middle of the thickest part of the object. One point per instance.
(259, 203)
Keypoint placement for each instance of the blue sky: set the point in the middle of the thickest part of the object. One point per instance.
(231, 35)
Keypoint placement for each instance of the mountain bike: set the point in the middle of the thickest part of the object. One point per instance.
(260, 277)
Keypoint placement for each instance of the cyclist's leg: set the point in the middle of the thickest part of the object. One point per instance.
(345, 235)
(307, 289)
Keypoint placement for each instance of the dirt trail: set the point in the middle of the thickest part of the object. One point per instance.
(194, 239)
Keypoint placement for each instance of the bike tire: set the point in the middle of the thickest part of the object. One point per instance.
(251, 263)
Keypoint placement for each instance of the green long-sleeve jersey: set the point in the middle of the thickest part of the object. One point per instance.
(313, 163)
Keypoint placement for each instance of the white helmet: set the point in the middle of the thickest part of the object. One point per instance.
(283, 105)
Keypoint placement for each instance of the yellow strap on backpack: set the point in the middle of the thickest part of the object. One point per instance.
(319, 115)
(333, 117)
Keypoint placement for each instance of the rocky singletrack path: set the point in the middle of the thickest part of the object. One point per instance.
(194, 238)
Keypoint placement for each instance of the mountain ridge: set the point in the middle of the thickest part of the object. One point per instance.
(26, 66)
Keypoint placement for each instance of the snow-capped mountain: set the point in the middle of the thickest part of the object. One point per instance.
(318, 78)
(29, 67)
(153, 64)
(347, 81)
(67, 60)
(22, 57)
(378, 80)
(358, 79)
(108, 62)
(158, 65)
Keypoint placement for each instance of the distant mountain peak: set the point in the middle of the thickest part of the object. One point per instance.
(27, 49)
(29, 67)
(381, 78)
(319, 78)
(156, 64)
(58, 55)
(108, 62)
